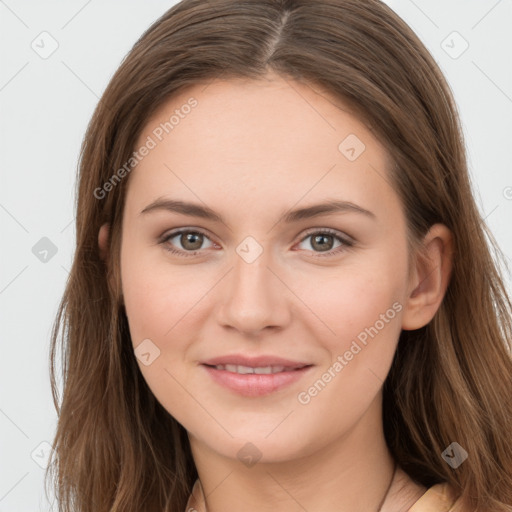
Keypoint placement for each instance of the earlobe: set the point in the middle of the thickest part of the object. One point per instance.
(103, 238)
(430, 278)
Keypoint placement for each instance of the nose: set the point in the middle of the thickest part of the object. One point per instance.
(254, 296)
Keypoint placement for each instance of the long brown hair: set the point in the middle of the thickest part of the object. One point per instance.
(116, 447)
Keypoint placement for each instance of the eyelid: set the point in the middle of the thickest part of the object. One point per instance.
(340, 234)
(178, 231)
(186, 229)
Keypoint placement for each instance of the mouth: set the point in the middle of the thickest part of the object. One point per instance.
(256, 378)
(258, 370)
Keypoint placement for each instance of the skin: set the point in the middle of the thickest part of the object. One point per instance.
(252, 150)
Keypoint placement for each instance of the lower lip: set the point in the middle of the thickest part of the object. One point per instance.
(252, 384)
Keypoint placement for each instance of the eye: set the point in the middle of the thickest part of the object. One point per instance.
(190, 240)
(322, 242)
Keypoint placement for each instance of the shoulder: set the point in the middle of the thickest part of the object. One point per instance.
(439, 498)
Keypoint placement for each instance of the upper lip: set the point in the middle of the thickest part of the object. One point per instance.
(254, 362)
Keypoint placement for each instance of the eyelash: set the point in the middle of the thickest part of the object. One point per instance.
(347, 243)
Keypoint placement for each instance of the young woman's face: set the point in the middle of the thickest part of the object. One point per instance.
(229, 265)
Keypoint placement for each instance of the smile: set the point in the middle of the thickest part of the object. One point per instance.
(260, 370)
(255, 381)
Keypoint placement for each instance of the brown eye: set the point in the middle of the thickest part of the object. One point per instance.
(185, 242)
(323, 242)
(191, 240)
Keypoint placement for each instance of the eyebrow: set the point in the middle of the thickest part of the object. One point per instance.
(196, 210)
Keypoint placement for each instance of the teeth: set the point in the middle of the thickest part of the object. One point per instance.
(248, 369)
(265, 370)
(244, 369)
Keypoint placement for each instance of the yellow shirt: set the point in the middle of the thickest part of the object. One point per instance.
(439, 498)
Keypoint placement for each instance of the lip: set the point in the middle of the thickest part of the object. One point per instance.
(263, 360)
(252, 384)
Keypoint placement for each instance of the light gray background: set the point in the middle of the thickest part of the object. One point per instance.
(46, 104)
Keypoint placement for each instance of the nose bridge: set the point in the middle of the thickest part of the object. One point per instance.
(251, 280)
(254, 298)
(250, 272)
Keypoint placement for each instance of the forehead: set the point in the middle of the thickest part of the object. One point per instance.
(260, 142)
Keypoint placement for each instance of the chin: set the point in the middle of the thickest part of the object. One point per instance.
(256, 445)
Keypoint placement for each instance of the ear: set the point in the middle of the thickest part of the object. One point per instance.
(430, 278)
(103, 235)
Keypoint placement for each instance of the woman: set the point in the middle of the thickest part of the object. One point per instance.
(337, 336)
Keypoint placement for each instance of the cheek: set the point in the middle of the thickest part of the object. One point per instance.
(160, 308)
(363, 311)
(157, 296)
(343, 304)
(360, 308)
